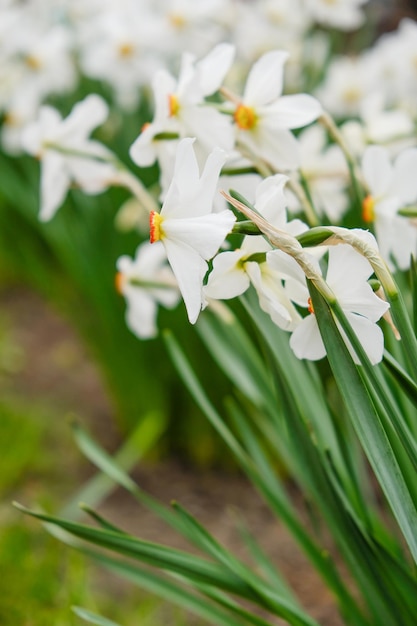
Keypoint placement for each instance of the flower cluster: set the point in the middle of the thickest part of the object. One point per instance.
(48, 47)
(289, 164)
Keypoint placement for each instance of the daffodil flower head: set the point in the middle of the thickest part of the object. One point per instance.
(347, 276)
(264, 116)
(391, 186)
(67, 153)
(180, 106)
(146, 282)
(186, 225)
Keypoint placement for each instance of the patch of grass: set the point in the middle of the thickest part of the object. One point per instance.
(39, 465)
(43, 578)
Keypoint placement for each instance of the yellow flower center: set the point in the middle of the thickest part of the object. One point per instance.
(368, 213)
(245, 117)
(352, 95)
(126, 50)
(156, 230)
(33, 62)
(173, 105)
(177, 20)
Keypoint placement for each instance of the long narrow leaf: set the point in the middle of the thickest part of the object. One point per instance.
(367, 423)
(115, 469)
(276, 498)
(92, 618)
(268, 598)
(189, 566)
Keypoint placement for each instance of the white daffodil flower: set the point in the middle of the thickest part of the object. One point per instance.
(117, 47)
(146, 282)
(67, 154)
(348, 81)
(340, 14)
(180, 107)
(391, 187)
(263, 116)
(186, 225)
(347, 275)
(234, 271)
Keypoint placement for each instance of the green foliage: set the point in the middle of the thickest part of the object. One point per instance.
(280, 411)
(71, 261)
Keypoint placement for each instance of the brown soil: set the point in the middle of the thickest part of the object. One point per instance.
(56, 371)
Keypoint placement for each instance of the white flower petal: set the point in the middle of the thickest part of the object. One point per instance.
(141, 314)
(265, 80)
(214, 66)
(204, 233)
(211, 128)
(143, 150)
(35, 133)
(399, 238)
(189, 195)
(271, 201)
(293, 111)
(91, 175)
(272, 296)
(306, 342)
(377, 170)
(404, 184)
(55, 182)
(227, 279)
(186, 172)
(189, 269)
(278, 147)
(370, 335)
(84, 118)
(347, 267)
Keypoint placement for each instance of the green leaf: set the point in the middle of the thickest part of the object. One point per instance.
(189, 566)
(236, 355)
(92, 618)
(267, 596)
(115, 470)
(367, 423)
(401, 376)
(274, 496)
(180, 595)
(402, 321)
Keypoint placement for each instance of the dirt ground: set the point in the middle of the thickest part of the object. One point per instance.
(56, 370)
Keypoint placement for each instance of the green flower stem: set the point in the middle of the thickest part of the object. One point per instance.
(409, 211)
(123, 178)
(150, 284)
(166, 136)
(305, 201)
(246, 227)
(138, 189)
(238, 171)
(327, 121)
